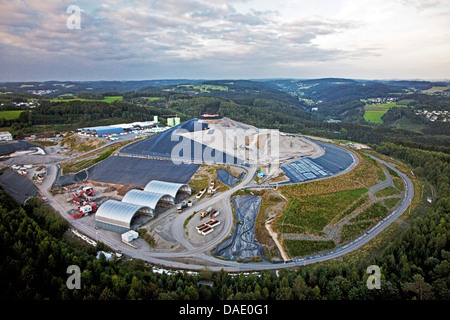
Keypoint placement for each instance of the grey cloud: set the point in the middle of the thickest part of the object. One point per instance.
(175, 33)
(421, 4)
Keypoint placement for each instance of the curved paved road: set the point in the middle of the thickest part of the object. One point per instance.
(202, 252)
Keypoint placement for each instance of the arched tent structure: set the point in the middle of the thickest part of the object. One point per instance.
(102, 131)
(118, 216)
(149, 199)
(169, 188)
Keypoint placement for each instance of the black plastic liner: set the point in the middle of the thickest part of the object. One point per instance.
(20, 188)
(227, 178)
(9, 148)
(243, 244)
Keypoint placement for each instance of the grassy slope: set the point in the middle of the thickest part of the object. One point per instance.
(10, 114)
(105, 99)
(312, 214)
(373, 113)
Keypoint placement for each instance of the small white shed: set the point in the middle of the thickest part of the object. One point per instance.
(129, 236)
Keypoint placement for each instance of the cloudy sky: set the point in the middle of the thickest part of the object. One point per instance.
(206, 39)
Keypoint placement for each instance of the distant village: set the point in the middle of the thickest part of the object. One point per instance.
(380, 100)
(31, 104)
(42, 92)
(434, 115)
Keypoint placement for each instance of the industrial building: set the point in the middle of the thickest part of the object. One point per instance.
(169, 188)
(102, 131)
(149, 199)
(172, 122)
(118, 128)
(118, 216)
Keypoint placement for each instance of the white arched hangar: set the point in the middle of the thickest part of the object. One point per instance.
(169, 188)
(118, 216)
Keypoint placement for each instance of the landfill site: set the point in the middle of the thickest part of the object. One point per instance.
(152, 203)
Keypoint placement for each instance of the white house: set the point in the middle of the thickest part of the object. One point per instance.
(5, 136)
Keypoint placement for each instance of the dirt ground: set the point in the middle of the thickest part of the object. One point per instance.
(197, 238)
(251, 144)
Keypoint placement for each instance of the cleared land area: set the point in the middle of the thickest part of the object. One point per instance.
(323, 214)
(298, 248)
(373, 113)
(436, 89)
(10, 114)
(311, 214)
(107, 99)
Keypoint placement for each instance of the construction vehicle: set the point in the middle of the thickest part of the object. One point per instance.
(201, 193)
(85, 210)
(89, 191)
(214, 214)
(206, 213)
(83, 195)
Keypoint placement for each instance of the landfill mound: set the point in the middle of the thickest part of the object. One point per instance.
(227, 178)
(139, 172)
(9, 148)
(243, 244)
(250, 144)
(69, 179)
(335, 159)
(163, 144)
(17, 186)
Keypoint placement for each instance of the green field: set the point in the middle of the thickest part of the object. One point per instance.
(373, 113)
(312, 214)
(112, 99)
(436, 89)
(10, 114)
(298, 248)
(105, 99)
(204, 88)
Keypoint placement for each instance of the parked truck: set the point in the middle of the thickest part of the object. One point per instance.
(201, 193)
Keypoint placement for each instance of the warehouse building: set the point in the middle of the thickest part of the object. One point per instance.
(170, 188)
(102, 131)
(148, 199)
(118, 216)
(117, 128)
